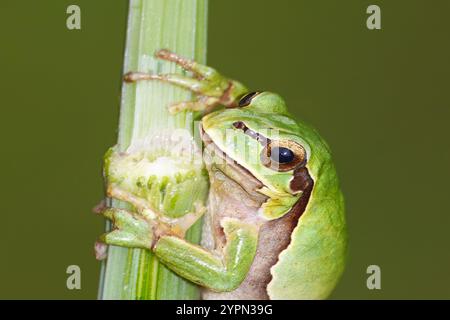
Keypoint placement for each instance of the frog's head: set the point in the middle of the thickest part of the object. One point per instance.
(260, 138)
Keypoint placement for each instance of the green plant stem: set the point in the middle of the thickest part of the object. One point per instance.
(178, 25)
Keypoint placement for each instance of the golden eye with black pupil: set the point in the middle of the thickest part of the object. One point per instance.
(247, 99)
(283, 155)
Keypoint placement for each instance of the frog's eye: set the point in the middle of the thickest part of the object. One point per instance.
(283, 155)
(247, 99)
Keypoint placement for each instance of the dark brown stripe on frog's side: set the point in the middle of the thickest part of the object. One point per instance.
(276, 234)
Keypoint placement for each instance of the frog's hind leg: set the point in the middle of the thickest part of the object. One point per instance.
(220, 270)
(138, 229)
(140, 204)
(130, 230)
(133, 229)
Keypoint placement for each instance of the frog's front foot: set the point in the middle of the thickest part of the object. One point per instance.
(211, 87)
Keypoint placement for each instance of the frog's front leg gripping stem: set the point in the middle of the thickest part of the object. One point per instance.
(223, 271)
(211, 87)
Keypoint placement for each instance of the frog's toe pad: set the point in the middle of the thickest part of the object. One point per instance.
(101, 250)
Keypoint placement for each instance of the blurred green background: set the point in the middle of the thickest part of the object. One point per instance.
(380, 98)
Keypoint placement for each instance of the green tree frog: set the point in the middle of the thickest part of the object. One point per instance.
(274, 226)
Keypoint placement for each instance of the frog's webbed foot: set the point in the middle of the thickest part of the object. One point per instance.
(211, 87)
(130, 230)
(165, 225)
(141, 228)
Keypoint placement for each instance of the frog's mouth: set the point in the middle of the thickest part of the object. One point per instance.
(230, 167)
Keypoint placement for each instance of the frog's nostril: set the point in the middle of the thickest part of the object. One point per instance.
(239, 125)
